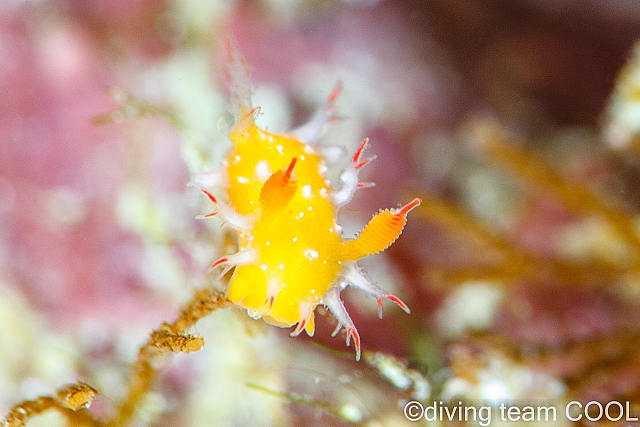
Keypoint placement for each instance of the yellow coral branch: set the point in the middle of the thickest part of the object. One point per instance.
(170, 338)
(68, 401)
(504, 152)
(514, 263)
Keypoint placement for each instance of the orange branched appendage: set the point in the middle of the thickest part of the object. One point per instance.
(292, 256)
(357, 164)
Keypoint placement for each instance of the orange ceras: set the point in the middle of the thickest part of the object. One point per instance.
(292, 255)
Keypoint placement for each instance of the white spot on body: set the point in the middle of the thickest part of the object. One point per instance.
(280, 149)
(311, 254)
(306, 191)
(270, 138)
(303, 157)
(263, 170)
(281, 266)
(263, 267)
(236, 159)
(243, 180)
(295, 239)
(309, 149)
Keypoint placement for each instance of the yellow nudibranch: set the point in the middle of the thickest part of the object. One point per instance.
(292, 255)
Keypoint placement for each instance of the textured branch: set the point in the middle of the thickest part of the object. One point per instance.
(68, 400)
(170, 338)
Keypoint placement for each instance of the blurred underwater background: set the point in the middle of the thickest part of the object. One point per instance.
(516, 122)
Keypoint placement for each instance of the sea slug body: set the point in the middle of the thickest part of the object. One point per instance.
(292, 256)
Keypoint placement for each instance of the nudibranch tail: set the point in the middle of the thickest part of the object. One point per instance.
(240, 85)
(379, 234)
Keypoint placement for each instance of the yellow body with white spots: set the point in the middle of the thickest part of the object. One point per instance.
(292, 255)
(297, 251)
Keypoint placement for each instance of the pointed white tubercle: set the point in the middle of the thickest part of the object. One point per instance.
(333, 302)
(349, 178)
(215, 179)
(240, 222)
(306, 311)
(311, 131)
(332, 154)
(354, 277)
(242, 257)
(235, 220)
(349, 185)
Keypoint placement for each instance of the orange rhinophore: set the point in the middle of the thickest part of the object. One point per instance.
(379, 234)
(292, 255)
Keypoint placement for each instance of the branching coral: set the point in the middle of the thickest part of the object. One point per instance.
(69, 401)
(170, 338)
(569, 314)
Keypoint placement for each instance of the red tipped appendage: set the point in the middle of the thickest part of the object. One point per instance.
(335, 93)
(356, 340)
(289, 171)
(218, 262)
(357, 164)
(403, 211)
(213, 199)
